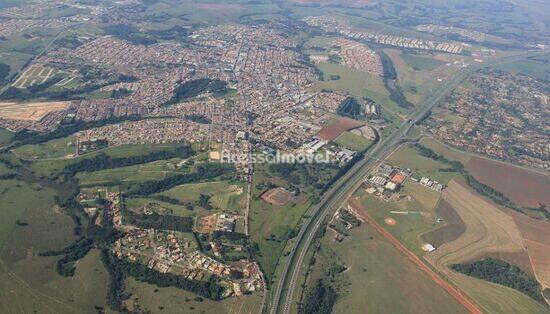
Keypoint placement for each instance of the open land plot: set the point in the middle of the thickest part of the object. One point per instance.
(152, 299)
(352, 141)
(224, 195)
(172, 209)
(453, 226)
(30, 111)
(408, 157)
(378, 278)
(34, 75)
(419, 62)
(536, 236)
(445, 151)
(410, 218)
(277, 196)
(29, 282)
(123, 174)
(58, 148)
(356, 83)
(418, 74)
(271, 226)
(5, 136)
(532, 67)
(334, 130)
(488, 230)
(412, 257)
(48, 167)
(524, 187)
(212, 12)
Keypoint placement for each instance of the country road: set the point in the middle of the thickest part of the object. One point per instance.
(344, 187)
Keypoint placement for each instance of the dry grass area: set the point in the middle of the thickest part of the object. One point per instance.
(30, 111)
(488, 231)
(536, 236)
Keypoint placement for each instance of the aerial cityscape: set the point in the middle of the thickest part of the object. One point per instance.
(274, 156)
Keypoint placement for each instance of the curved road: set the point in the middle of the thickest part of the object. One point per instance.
(343, 188)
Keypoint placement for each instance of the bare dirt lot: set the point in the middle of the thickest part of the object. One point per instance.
(525, 188)
(331, 132)
(30, 111)
(277, 196)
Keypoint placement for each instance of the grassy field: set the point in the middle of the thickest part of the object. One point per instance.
(352, 141)
(57, 148)
(421, 63)
(534, 68)
(271, 226)
(445, 151)
(29, 282)
(51, 166)
(5, 137)
(156, 170)
(378, 278)
(177, 210)
(222, 197)
(408, 227)
(408, 157)
(153, 299)
(417, 74)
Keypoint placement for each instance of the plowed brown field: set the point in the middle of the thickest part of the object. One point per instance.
(524, 187)
(536, 235)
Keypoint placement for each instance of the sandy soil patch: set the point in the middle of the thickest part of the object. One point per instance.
(30, 111)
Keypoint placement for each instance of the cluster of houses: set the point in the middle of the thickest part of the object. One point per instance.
(331, 24)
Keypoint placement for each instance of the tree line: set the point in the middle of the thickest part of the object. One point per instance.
(202, 173)
(503, 273)
(103, 161)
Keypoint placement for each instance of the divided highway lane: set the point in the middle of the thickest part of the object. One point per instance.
(343, 188)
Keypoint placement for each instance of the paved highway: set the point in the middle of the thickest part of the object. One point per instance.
(343, 188)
